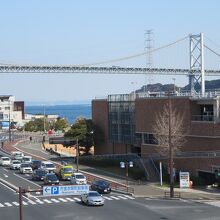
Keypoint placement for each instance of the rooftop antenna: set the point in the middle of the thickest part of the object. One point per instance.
(149, 44)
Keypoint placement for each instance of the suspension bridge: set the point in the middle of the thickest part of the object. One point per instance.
(196, 71)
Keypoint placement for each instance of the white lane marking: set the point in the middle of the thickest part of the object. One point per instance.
(71, 200)
(38, 193)
(122, 197)
(6, 176)
(105, 197)
(16, 203)
(39, 201)
(63, 200)
(8, 204)
(26, 180)
(130, 197)
(55, 200)
(1, 205)
(5, 170)
(47, 201)
(7, 187)
(24, 203)
(114, 197)
(77, 199)
(31, 202)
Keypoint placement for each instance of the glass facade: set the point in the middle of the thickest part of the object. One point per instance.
(121, 119)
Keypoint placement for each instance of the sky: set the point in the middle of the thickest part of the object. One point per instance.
(68, 32)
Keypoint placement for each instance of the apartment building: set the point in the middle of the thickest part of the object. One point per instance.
(11, 111)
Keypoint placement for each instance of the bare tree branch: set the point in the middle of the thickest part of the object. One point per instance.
(161, 130)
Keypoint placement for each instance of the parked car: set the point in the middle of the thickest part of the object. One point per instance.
(101, 186)
(78, 178)
(35, 164)
(15, 164)
(51, 179)
(5, 161)
(26, 159)
(92, 198)
(17, 155)
(48, 166)
(39, 174)
(26, 168)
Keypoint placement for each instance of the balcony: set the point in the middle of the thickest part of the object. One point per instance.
(204, 118)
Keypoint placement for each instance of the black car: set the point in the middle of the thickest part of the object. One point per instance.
(101, 186)
(35, 164)
(38, 174)
(51, 179)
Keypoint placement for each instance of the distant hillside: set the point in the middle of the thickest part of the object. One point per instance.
(158, 87)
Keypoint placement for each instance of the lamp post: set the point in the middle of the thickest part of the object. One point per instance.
(126, 165)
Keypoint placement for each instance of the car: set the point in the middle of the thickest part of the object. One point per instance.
(26, 168)
(26, 159)
(51, 179)
(17, 155)
(101, 186)
(39, 174)
(48, 166)
(15, 165)
(92, 198)
(78, 178)
(35, 164)
(5, 161)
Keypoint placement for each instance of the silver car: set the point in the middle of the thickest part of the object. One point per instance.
(15, 165)
(92, 198)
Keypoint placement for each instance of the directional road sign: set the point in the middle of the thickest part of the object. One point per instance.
(65, 190)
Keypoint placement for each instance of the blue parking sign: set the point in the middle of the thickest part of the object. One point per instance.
(55, 190)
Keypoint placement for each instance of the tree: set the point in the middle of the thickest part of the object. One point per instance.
(87, 133)
(61, 124)
(36, 125)
(169, 133)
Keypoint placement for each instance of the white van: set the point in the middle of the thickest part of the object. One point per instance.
(48, 166)
(26, 159)
(17, 155)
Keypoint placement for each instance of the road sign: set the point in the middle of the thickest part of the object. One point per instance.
(184, 180)
(65, 190)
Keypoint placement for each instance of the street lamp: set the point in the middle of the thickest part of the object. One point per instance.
(126, 165)
(77, 154)
(9, 120)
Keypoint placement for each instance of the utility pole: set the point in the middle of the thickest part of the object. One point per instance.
(170, 149)
(44, 121)
(77, 154)
(9, 118)
(20, 204)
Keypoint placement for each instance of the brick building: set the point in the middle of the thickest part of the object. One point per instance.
(128, 120)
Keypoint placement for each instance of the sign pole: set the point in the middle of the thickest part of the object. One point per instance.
(161, 174)
(20, 204)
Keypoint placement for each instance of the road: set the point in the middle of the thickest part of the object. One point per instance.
(117, 206)
(123, 209)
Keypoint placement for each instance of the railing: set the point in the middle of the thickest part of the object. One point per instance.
(152, 162)
(203, 118)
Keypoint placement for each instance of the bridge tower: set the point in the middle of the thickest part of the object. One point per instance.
(196, 62)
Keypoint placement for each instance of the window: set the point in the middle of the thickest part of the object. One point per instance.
(149, 139)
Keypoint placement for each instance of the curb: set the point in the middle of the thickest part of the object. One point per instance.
(10, 185)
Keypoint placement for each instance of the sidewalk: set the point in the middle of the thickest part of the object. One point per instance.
(147, 189)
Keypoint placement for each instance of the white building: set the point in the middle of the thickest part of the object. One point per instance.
(11, 111)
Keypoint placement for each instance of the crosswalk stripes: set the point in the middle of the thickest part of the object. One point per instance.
(55, 200)
(62, 200)
(47, 201)
(213, 203)
(71, 200)
(108, 198)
